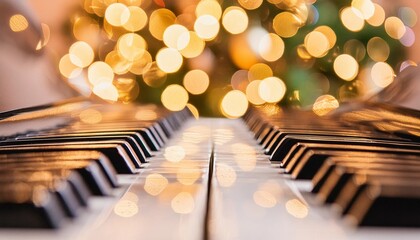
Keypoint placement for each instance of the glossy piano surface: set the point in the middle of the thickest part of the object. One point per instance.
(211, 181)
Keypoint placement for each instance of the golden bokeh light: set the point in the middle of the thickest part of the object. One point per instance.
(365, 7)
(264, 199)
(378, 16)
(252, 93)
(100, 72)
(126, 208)
(355, 48)
(137, 19)
(317, 44)
(174, 97)
(67, 68)
(128, 89)
(272, 89)
(106, 91)
(194, 111)
(240, 52)
(259, 71)
(188, 175)
(90, 116)
(329, 33)
(155, 183)
(325, 104)
(208, 7)
(226, 175)
(146, 115)
(139, 66)
(183, 203)
(196, 81)
(286, 24)
(132, 2)
(131, 46)
(174, 153)
(160, 19)
(81, 54)
(235, 20)
(378, 49)
(118, 63)
(207, 27)
(172, 37)
(296, 208)
(169, 60)
(234, 104)
(117, 14)
(352, 19)
(86, 29)
(250, 4)
(346, 67)
(382, 74)
(18, 23)
(239, 80)
(394, 27)
(153, 76)
(271, 47)
(303, 53)
(195, 45)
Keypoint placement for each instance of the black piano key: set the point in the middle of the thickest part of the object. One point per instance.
(26, 206)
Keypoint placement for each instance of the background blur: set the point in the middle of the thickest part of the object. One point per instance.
(219, 57)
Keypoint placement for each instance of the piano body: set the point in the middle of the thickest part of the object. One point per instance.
(76, 168)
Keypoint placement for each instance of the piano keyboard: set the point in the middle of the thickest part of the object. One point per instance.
(83, 171)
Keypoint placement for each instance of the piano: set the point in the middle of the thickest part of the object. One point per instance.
(79, 169)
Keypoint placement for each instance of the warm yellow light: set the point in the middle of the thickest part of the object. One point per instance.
(394, 27)
(207, 27)
(194, 110)
(382, 74)
(352, 19)
(234, 104)
(86, 29)
(159, 20)
(174, 97)
(139, 66)
(90, 116)
(272, 89)
(241, 52)
(106, 91)
(131, 46)
(81, 54)
(174, 153)
(117, 14)
(118, 63)
(264, 199)
(365, 7)
(169, 60)
(346, 67)
(225, 174)
(324, 104)
(155, 183)
(286, 24)
(183, 203)
(329, 33)
(195, 45)
(378, 16)
(172, 37)
(18, 23)
(137, 19)
(196, 81)
(252, 93)
(67, 68)
(209, 7)
(235, 20)
(100, 72)
(126, 208)
(296, 208)
(271, 47)
(250, 4)
(153, 76)
(317, 44)
(188, 175)
(303, 53)
(259, 71)
(378, 49)
(239, 80)
(131, 2)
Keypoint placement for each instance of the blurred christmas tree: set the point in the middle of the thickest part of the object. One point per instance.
(220, 56)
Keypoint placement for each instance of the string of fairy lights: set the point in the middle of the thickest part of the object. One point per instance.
(218, 56)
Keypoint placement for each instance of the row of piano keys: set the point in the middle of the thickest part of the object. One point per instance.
(48, 175)
(365, 163)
